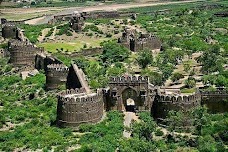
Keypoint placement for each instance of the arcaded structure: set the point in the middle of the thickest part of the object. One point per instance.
(76, 107)
(77, 22)
(56, 76)
(165, 102)
(22, 53)
(129, 93)
(137, 42)
(9, 30)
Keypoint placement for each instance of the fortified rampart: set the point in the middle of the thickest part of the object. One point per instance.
(77, 22)
(221, 14)
(22, 53)
(43, 60)
(77, 79)
(216, 101)
(56, 76)
(164, 103)
(77, 107)
(122, 89)
(135, 43)
(9, 30)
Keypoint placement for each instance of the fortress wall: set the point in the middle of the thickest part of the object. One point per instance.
(77, 109)
(9, 31)
(215, 101)
(56, 75)
(22, 53)
(128, 79)
(42, 61)
(165, 103)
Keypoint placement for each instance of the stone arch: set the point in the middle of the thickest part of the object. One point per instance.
(130, 93)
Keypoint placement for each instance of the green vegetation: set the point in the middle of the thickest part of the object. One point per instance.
(102, 136)
(64, 29)
(49, 32)
(145, 58)
(114, 52)
(93, 28)
(28, 113)
(32, 32)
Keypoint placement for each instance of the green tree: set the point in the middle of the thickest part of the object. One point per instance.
(176, 76)
(211, 60)
(190, 82)
(145, 58)
(113, 52)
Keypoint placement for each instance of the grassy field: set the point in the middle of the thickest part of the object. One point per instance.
(71, 46)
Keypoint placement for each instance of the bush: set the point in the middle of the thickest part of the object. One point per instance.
(158, 132)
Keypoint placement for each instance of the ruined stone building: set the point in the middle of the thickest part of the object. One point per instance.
(137, 42)
(77, 22)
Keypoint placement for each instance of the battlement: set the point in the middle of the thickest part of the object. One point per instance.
(150, 38)
(16, 43)
(8, 24)
(129, 79)
(215, 93)
(57, 67)
(72, 91)
(180, 98)
(79, 96)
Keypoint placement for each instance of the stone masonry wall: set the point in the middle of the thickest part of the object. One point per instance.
(74, 109)
(56, 75)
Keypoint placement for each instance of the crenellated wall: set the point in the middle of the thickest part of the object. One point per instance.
(22, 53)
(122, 88)
(77, 107)
(128, 79)
(216, 101)
(43, 60)
(135, 42)
(9, 30)
(164, 103)
(56, 75)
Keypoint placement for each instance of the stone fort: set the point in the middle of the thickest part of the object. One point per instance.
(137, 42)
(79, 104)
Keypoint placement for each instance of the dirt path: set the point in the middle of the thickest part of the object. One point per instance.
(44, 33)
(129, 116)
(105, 8)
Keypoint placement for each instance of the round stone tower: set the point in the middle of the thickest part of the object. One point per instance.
(22, 53)
(56, 76)
(76, 107)
(9, 30)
